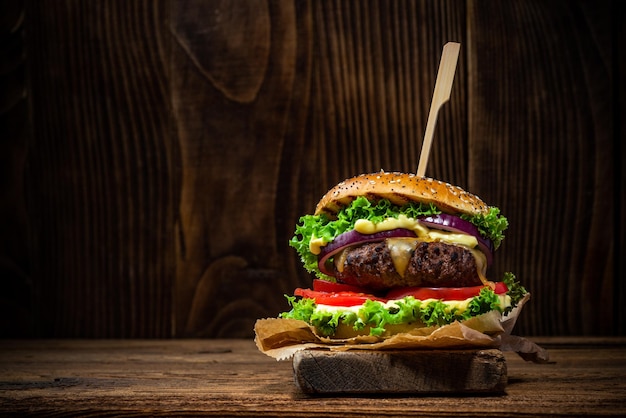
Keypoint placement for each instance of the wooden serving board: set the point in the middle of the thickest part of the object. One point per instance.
(400, 372)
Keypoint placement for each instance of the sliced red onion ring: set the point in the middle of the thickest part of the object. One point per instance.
(455, 224)
(350, 238)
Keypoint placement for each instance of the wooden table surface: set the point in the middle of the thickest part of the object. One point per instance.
(231, 378)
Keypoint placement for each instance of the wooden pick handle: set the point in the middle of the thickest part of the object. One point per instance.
(443, 87)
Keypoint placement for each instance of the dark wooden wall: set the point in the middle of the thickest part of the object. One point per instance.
(166, 149)
(15, 285)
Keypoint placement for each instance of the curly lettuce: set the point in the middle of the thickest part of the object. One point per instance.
(408, 310)
(516, 291)
(492, 225)
(322, 227)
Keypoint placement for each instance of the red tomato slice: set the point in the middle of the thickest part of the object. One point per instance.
(443, 293)
(343, 298)
(323, 293)
(326, 286)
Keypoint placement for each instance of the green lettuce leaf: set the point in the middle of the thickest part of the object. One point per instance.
(491, 225)
(516, 290)
(408, 310)
(320, 226)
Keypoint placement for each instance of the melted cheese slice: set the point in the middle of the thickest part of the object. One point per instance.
(459, 305)
(424, 233)
(316, 244)
(402, 249)
(402, 221)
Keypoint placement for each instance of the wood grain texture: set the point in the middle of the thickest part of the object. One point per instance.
(375, 66)
(238, 101)
(406, 372)
(175, 144)
(232, 378)
(541, 145)
(103, 167)
(330, 97)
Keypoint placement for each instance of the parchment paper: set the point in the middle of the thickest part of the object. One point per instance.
(282, 338)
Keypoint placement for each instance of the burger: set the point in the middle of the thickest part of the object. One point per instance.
(394, 252)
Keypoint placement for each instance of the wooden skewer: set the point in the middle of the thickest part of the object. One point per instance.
(443, 87)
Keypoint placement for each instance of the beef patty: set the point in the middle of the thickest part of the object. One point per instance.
(432, 264)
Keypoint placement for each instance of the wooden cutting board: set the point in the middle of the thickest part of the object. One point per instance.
(400, 372)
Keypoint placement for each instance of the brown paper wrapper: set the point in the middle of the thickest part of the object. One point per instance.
(282, 338)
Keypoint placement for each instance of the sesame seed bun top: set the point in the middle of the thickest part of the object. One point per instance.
(401, 189)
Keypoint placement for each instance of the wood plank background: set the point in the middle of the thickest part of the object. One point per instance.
(167, 148)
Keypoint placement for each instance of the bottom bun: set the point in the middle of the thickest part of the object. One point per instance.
(281, 338)
(345, 331)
